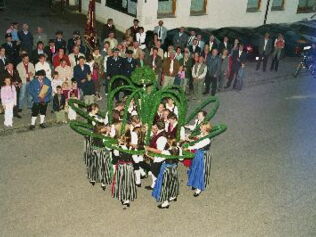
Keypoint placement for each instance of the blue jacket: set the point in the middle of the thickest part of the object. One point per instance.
(35, 88)
(80, 74)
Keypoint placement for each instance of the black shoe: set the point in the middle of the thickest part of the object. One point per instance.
(19, 110)
(193, 188)
(92, 182)
(196, 194)
(103, 187)
(43, 125)
(126, 205)
(138, 185)
(161, 207)
(205, 93)
(32, 127)
(18, 116)
(148, 188)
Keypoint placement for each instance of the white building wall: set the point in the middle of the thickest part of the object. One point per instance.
(219, 13)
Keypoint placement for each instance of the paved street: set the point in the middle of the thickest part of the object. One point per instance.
(263, 179)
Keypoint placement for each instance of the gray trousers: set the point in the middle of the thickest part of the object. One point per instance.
(198, 87)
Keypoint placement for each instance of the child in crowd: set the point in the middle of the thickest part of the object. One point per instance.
(179, 79)
(59, 103)
(72, 115)
(88, 91)
(66, 89)
(8, 99)
(56, 82)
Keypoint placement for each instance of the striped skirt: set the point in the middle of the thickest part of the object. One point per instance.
(98, 163)
(123, 184)
(167, 183)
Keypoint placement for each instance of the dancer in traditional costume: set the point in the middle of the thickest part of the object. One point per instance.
(166, 187)
(123, 185)
(199, 172)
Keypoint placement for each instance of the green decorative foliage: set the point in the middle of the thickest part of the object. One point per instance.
(143, 76)
(147, 102)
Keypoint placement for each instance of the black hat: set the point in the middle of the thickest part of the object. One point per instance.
(129, 51)
(7, 35)
(76, 32)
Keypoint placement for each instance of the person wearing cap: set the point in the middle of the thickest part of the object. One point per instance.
(50, 50)
(11, 49)
(129, 63)
(59, 41)
(71, 41)
(13, 30)
(26, 72)
(40, 36)
(114, 66)
(41, 92)
(26, 38)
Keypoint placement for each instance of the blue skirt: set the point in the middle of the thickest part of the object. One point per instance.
(199, 172)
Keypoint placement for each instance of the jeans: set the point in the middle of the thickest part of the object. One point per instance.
(25, 97)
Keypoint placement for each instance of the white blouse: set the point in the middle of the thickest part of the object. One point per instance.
(200, 144)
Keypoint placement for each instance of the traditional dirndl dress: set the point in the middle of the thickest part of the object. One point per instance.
(98, 162)
(199, 172)
(167, 183)
(123, 184)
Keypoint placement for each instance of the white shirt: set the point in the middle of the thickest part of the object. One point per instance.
(265, 44)
(161, 144)
(200, 144)
(140, 38)
(171, 67)
(192, 127)
(72, 59)
(46, 67)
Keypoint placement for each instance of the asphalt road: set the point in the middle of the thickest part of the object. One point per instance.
(263, 177)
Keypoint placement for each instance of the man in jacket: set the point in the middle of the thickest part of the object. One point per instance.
(41, 92)
(26, 72)
(129, 64)
(194, 48)
(154, 61)
(161, 31)
(107, 29)
(239, 58)
(180, 39)
(213, 63)
(59, 41)
(265, 49)
(170, 69)
(11, 49)
(26, 39)
(80, 71)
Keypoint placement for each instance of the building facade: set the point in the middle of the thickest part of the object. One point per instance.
(202, 13)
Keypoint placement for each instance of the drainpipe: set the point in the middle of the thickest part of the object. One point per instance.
(267, 12)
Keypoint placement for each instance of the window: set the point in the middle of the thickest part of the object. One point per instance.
(277, 5)
(166, 8)
(198, 7)
(305, 6)
(253, 5)
(126, 6)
